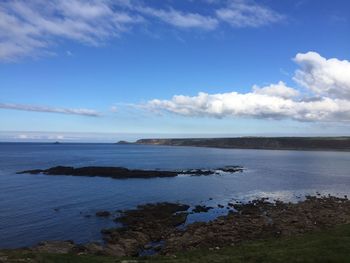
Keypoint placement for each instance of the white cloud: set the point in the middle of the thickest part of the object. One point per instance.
(23, 107)
(33, 136)
(56, 137)
(181, 19)
(22, 136)
(275, 101)
(323, 76)
(254, 105)
(243, 13)
(33, 27)
(277, 90)
(29, 26)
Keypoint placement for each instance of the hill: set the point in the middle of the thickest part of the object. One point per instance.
(270, 143)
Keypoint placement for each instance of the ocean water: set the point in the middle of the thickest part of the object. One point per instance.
(34, 208)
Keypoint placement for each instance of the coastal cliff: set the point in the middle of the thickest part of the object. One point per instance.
(270, 143)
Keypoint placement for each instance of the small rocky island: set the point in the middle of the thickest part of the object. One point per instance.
(124, 173)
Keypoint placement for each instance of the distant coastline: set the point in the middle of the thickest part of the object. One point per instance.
(264, 143)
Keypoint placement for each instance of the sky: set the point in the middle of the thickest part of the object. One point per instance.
(104, 70)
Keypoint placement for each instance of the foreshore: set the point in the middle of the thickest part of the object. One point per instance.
(159, 228)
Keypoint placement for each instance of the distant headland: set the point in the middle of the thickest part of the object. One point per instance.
(267, 143)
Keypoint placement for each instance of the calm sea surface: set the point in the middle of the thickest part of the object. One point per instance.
(39, 207)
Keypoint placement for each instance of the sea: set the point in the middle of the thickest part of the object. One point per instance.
(35, 208)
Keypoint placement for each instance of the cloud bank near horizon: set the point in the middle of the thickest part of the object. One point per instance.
(33, 28)
(37, 108)
(326, 96)
(323, 96)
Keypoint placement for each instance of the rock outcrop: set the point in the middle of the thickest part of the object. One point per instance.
(124, 173)
(154, 228)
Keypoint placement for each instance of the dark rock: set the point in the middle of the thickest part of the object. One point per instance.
(103, 214)
(154, 227)
(227, 169)
(148, 223)
(197, 172)
(232, 169)
(201, 208)
(260, 219)
(166, 213)
(121, 172)
(36, 171)
(113, 172)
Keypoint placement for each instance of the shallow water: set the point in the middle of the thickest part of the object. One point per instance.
(40, 207)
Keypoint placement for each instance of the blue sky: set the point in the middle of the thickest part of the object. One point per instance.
(111, 68)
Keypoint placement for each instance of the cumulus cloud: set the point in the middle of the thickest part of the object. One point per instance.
(23, 107)
(275, 101)
(33, 27)
(323, 76)
(254, 105)
(243, 13)
(276, 90)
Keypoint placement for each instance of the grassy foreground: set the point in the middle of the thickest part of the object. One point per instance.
(327, 246)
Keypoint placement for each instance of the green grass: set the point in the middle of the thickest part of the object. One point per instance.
(326, 246)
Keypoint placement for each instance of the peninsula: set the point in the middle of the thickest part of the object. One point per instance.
(267, 143)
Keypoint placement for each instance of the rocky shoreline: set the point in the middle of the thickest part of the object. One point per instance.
(159, 228)
(124, 173)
